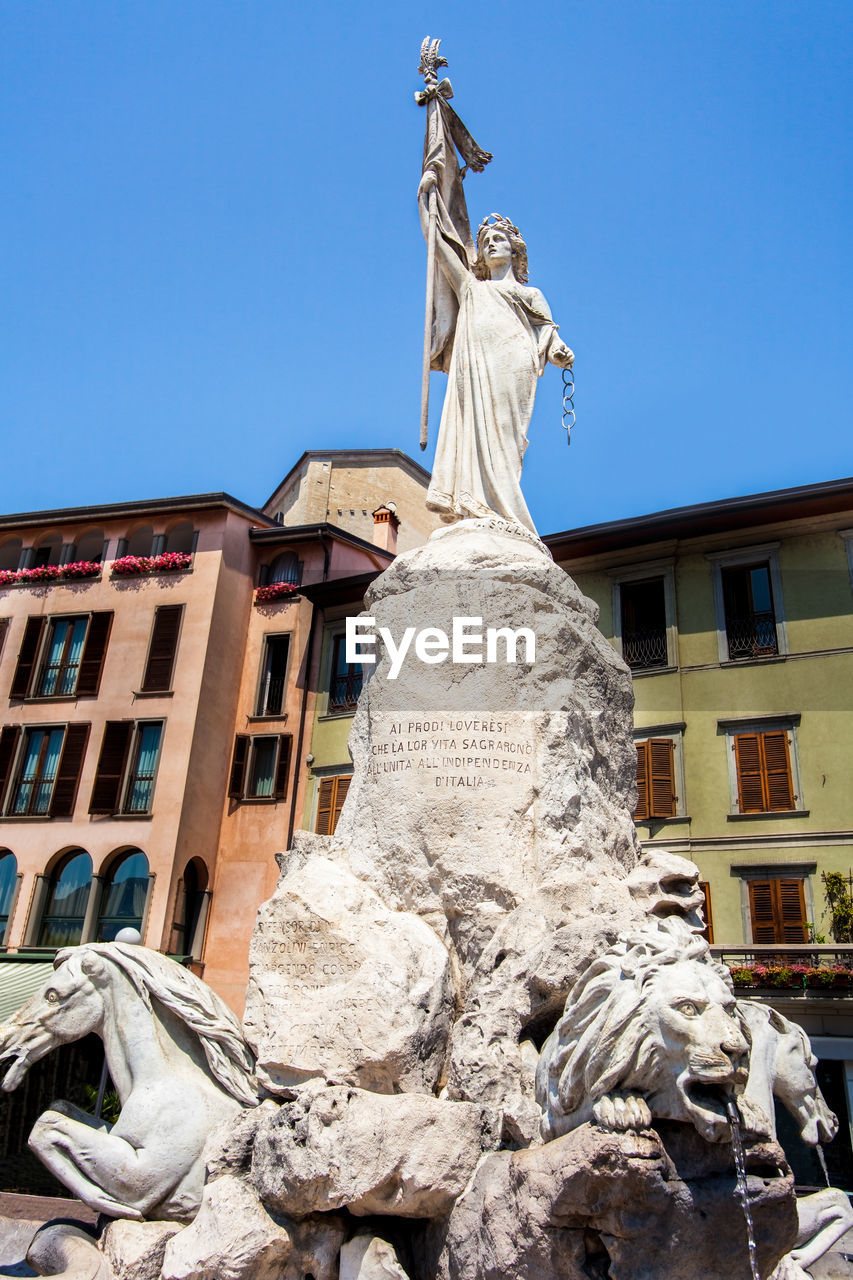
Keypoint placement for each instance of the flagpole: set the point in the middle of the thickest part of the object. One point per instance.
(430, 287)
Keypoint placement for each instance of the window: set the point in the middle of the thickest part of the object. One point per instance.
(4, 631)
(330, 800)
(644, 615)
(62, 656)
(8, 885)
(285, 568)
(163, 646)
(260, 767)
(10, 553)
(181, 538)
(273, 673)
(346, 678)
(191, 907)
(91, 547)
(708, 931)
(124, 896)
(127, 767)
(777, 910)
(765, 782)
(67, 898)
(748, 603)
(48, 769)
(48, 551)
(660, 773)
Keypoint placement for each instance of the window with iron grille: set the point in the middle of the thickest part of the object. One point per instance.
(273, 675)
(346, 678)
(644, 623)
(750, 615)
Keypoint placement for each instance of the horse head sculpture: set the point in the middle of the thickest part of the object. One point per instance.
(176, 1056)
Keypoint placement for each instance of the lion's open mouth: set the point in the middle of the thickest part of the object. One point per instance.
(705, 1101)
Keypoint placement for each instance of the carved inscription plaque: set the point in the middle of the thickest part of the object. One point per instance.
(456, 752)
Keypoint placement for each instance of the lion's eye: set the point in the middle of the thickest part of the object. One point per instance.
(688, 1009)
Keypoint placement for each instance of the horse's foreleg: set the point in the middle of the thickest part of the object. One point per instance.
(64, 1144)
(823, 1219)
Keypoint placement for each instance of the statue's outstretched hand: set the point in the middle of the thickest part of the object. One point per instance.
(561, 356)
(428, 181)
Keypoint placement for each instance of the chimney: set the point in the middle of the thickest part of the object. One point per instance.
(385, 526)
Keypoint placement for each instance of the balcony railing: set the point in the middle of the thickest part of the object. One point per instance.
(645, 647)
(752, 636)
(344, 691)
(794, 967)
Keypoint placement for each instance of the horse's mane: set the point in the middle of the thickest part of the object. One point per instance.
(179, 990)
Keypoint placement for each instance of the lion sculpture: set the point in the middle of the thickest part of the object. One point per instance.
(651, 1029)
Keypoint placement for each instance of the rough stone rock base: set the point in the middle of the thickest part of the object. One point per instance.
(631, 1206)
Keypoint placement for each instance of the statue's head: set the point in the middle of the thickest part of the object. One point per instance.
(495, 222)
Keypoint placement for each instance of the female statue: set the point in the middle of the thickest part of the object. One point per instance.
(504, 336)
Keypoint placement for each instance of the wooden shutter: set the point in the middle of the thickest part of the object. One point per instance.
(777, 766)
(27, 657)
(708, 932)
(750, 786)
(68, 774)
(9, 736)
(661, 774)
(285, 742)
(777, 910)
(4, 629)
(340, 796)
(94, 652)
(642, 809)
(656, 795)
(111, 765)
(162, 650)
(238, 766)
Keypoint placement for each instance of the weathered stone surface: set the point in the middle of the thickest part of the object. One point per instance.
(68, 1251)
(336, 1147)
(370, 1258)
(134, 1250)
(232, 1238)
(229, 1147)
(631, 1206)
(340, 985)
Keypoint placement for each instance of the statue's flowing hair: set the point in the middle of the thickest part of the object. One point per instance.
(606, 1039)
(519, 248)
(153, 975)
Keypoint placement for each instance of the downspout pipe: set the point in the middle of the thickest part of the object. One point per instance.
(303, 710)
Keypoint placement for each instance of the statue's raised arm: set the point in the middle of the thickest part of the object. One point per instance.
(492, 333)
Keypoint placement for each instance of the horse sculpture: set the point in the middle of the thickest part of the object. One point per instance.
(176, 1057)
(782, 1065)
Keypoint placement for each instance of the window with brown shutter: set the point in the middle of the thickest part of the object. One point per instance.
(4, 631)
(708, 931)
(333, 792)
(763, 764)
(777, 910)
(238, 766)
(282, 771)
(162, 649)
(112, 761)
(9, 736)
(94, 652)
(68, 774)
(27, 655)
(260, 766)
(656, 791)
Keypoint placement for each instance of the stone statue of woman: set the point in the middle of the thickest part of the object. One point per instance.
(504, 335)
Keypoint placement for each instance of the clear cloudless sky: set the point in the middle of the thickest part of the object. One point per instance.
(212, 259)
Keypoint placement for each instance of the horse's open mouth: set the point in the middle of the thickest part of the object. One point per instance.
(16, 1069)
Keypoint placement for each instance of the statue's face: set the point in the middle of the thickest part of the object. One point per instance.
(495, 247)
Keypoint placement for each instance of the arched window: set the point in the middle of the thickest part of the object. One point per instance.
(124, 894)
(285, 568)
(8, 880)
(91, 546)
(140, 541)
(66, 901)
(47, 551)
(189, 922)
(181, 537)
(10, 553)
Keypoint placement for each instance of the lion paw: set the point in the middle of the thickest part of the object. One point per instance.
(622, 1111)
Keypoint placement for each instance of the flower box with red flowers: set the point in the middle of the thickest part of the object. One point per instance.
(137, 566)
(275, 591)
(41, 573)
(82, 569)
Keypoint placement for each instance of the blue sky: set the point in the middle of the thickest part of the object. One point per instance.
(212, 258)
